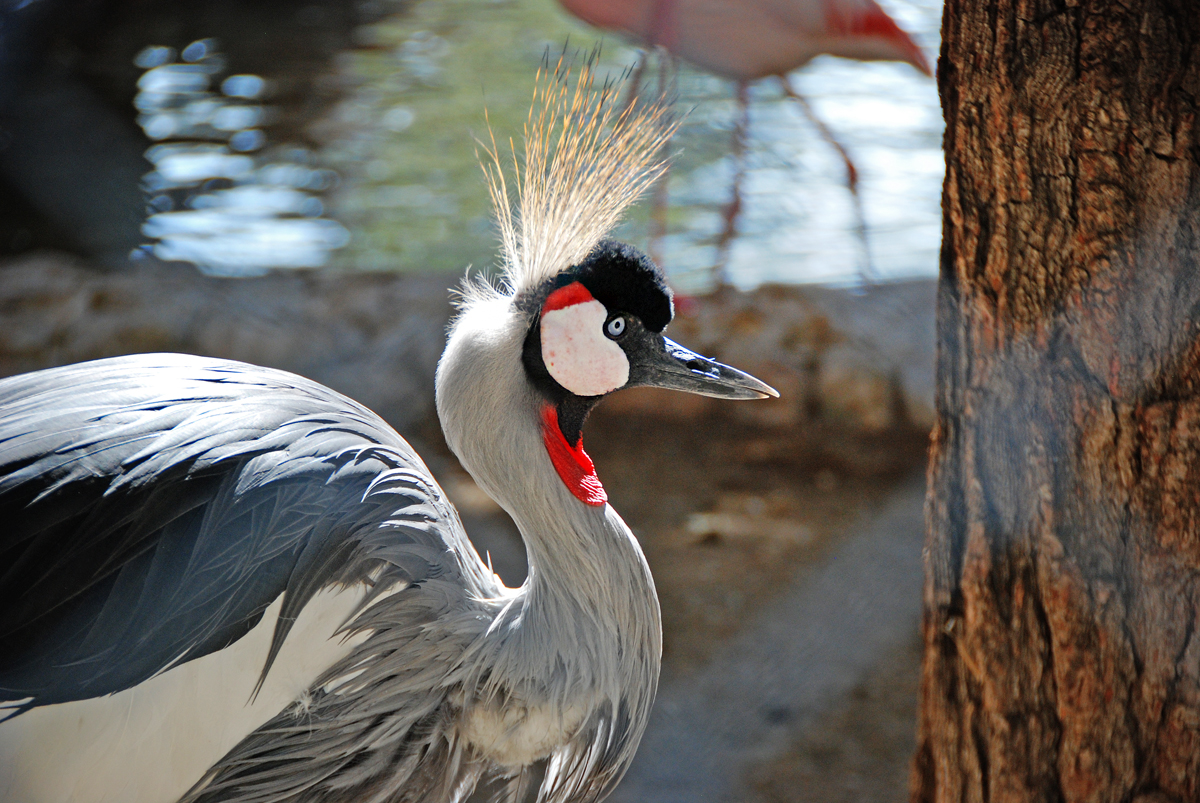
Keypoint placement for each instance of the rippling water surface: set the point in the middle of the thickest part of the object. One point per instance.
(394, 161)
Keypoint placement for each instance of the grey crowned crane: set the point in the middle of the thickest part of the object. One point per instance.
(221, 582)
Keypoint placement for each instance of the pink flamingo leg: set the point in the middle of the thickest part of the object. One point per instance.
(734, 208)
(660, 201)
(866, 271)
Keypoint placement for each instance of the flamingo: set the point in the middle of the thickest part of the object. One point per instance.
(748, 40)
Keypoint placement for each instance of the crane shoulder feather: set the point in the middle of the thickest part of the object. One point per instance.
(156, 505)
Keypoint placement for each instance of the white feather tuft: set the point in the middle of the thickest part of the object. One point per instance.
(587, 158)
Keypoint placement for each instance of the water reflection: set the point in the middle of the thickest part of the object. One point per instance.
(210, 201)
(409, 103)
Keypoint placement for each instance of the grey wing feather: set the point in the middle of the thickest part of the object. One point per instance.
(379, 726)
(155, 505)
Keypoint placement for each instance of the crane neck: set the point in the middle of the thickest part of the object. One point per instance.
(585, 565)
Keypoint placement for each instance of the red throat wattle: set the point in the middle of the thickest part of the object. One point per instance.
(572, 463)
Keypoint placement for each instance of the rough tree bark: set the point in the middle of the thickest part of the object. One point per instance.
(1062, 590)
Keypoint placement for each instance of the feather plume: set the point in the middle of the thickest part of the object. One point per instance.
(588, 157)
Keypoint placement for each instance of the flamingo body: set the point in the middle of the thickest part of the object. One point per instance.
(745, 41)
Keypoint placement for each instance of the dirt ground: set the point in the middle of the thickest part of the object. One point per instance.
(859, 750)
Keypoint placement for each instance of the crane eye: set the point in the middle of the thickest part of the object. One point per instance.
(615, 327)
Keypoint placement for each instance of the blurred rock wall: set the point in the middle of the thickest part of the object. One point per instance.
(860, 364)
(375, 337)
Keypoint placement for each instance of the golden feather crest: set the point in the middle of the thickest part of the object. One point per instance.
(588, 157)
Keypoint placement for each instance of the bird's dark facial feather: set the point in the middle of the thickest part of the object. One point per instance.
(624, 279)
(620, 277)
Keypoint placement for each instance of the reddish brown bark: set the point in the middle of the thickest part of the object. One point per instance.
(1062, 592)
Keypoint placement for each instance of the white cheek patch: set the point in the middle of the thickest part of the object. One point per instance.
(576, 352)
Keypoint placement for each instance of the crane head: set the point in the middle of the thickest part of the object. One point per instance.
(585, 313)
(598, 327)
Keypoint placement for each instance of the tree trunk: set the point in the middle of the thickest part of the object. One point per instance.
(1062, 588)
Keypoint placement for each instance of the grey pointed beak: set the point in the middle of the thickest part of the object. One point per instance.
(677, 368)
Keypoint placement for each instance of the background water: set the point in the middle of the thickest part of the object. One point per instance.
(393, 183)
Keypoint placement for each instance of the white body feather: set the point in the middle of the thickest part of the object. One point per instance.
(149, 744)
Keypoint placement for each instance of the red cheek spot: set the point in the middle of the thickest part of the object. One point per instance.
(573, 293)
(572, 463)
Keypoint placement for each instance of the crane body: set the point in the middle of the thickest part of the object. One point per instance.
(222, 582)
